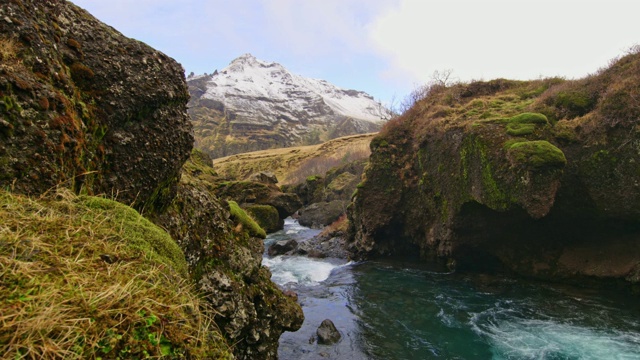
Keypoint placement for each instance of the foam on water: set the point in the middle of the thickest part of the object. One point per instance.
(513, 337)
(298, 269)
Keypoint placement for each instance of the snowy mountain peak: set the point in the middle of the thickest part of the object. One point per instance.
(247, 76)
(265, 102)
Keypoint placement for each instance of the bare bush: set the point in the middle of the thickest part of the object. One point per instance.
(319, 165)
(440, 79)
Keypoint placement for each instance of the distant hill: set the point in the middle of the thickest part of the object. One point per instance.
(254, 105)
(292, 165)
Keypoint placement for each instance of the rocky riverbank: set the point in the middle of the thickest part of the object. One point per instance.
(539, 178)
(87, 109)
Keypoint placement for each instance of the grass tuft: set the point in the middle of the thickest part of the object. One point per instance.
(78, 282)
(245, 221)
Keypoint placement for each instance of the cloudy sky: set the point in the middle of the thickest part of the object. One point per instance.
(384, 47)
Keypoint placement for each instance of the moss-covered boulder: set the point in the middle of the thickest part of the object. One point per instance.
(533, 177)
(250, 193)
(85, 106)
(266, 216)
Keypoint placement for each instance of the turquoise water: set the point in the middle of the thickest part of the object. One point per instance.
(402, 311)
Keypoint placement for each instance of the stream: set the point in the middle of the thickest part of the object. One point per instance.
(387, 310)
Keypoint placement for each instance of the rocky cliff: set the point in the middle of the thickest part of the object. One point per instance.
(539, 178)
(86, 108)
(84, 105)
(254, 105)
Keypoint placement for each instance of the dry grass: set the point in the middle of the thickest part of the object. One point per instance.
(339, 226)
(285, 161)
(8, 49)
(319, 165)
(72, 286)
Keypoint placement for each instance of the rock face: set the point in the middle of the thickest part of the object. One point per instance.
(86, 108)
(254, 105)
(225, 263)
(85, 105)
(539, 178)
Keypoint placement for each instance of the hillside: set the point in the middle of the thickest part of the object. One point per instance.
(294, 164)
(255, 105)
(537, 177)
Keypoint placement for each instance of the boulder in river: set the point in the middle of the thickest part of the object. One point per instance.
(327, 333)
(282, 247)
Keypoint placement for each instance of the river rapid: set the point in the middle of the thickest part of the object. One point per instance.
(405, 311)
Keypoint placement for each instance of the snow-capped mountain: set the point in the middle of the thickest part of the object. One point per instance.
(252, 104)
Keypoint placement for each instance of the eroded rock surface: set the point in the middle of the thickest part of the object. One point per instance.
(83, 104)
(538, 178)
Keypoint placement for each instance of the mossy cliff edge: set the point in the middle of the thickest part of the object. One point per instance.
(535, 177)
(85, 110)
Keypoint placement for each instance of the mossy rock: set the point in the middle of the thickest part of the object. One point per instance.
(266, 216)
(575, 102)
(518, 129)
(528, 118)
(141, 233)
(341, 182)
(249, 224)
(537, 155)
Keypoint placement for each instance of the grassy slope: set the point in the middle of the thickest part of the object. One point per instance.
(86, 277)
(284, 162)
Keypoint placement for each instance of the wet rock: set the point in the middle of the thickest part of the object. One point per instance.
(327, 333)
(323, 247)
(282, 247)
(321, 214)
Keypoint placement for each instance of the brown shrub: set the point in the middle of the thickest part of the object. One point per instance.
(319, 165)
(8, 49)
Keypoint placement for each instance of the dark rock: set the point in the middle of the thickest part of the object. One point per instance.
(264, 177)
(248, 192)
(89, 108)
(552, 195)
(250, 309)
(282, 247)
(266, 216)
(318, 215)
(324, 246)
(339, 183)
(327, 333)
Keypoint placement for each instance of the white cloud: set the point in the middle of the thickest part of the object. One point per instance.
(519, 39)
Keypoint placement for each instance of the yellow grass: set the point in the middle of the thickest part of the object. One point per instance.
(285, 162)
(73, 287)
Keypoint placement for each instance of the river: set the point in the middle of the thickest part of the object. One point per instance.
(404, 311)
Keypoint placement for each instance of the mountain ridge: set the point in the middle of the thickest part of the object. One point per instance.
(254, 105)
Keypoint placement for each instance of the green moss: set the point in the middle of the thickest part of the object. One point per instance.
(537, 154)
(249, 224)
(312, 178)
(528, 118)
(518, 129)
(265, 215)
(141, 233)
(576, 102)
